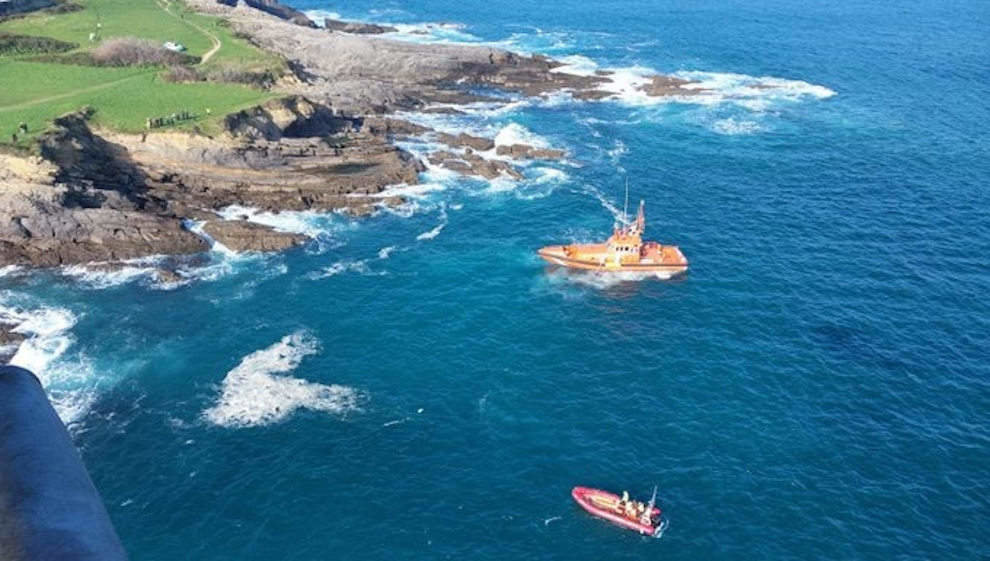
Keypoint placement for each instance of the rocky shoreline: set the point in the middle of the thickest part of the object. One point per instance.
(328, 144)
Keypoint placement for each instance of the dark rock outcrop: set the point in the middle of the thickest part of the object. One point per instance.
(357, 27)
(466, 140)
(241, 235)
(661, 85)
(276, 9)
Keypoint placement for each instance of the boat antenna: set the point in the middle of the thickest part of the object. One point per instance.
(653, 500)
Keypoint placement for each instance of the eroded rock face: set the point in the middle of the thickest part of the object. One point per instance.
(109, 197)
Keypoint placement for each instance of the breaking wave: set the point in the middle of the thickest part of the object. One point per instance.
(514, 133)
(48, 337)
(435, 231)
(256, 392)
(308, 223)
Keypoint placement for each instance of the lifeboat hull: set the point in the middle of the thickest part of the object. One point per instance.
(558, 255)
(602, 504)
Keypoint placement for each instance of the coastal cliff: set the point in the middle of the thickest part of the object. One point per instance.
(327, 144)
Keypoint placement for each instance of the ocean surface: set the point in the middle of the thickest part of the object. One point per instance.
(418, 385)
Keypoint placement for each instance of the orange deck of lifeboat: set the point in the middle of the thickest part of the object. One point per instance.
(624, 251)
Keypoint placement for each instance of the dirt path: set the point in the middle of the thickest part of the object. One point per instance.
(167, 4)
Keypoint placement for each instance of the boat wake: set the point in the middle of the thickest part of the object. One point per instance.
(257, 393)
(604, 280)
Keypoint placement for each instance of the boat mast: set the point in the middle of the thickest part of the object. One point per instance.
(625, 207)
(653, 501)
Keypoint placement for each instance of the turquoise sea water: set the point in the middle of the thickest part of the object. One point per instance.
(418, 385)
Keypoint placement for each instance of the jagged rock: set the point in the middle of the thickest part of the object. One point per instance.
(390, 126)
(470, 163)
(241, 235)
(356, 27)
(661, 85)
(292, 116)
(167, 276)
(527, 152)
(361, 74)
(443, 111)
(463, 139)
(9, 342)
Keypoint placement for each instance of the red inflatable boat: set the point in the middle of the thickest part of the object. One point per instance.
(628, 514)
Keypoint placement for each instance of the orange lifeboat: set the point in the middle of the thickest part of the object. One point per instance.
(624, 251)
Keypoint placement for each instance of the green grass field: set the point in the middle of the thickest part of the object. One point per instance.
(123, 98)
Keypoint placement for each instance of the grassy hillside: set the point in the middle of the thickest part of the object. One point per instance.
(37, 90)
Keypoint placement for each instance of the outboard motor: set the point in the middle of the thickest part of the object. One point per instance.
(49, 508)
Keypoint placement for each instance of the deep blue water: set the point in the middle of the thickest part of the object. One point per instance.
(817, 387)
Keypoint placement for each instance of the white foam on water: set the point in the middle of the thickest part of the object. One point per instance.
(10, 270)
(549, 175)
(626, 85)
(347, 266)
(733, 127)
(603, 280)
(514, 133)
(386, 252)
(319, 15)
(752, 92)
(256, 392)
(47, 332)
(743, 85)
(48, 338)
(419, 191)
(305, 222)
(97, 278)
(435, 231)
(223, 260)
(196, 227)
(577, 65)
(432, 32)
